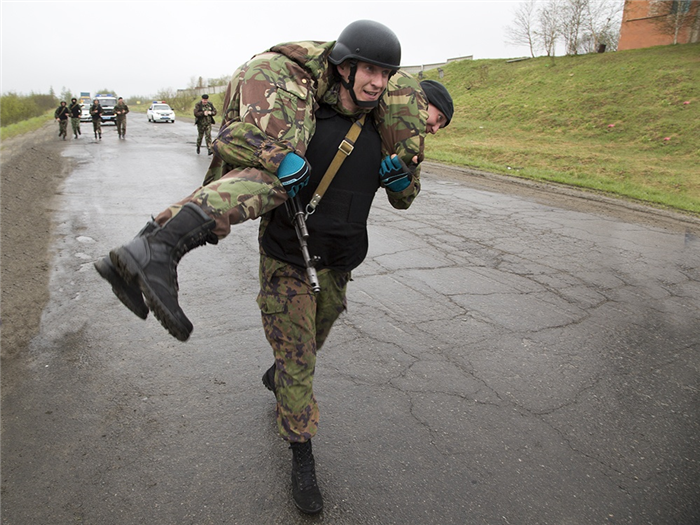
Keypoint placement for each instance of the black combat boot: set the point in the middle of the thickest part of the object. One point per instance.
(127, 293)
(100, 135)
(268, 379)
(197, 149)
(151, 260)
(307, 496)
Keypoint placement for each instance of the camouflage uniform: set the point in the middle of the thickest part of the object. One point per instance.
(75, 111)
(261, 125)
(270, 107)
(96, 113)
(61, 114)
(296, 320)
(296, 323)
(204, 122)
(120, 110)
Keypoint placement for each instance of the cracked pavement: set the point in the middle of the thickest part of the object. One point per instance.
(511, 354)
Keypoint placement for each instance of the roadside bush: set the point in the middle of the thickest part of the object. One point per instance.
(16, 108)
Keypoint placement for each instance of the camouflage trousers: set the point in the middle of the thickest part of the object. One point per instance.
(121, 126)
(97, 126)
(75, 123)
(204, 130)
(62, 128)
(234, 198)
(296, 323)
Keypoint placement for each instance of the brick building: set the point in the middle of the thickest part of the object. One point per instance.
(647, 23)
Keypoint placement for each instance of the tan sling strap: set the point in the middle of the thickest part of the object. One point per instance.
(344, 150)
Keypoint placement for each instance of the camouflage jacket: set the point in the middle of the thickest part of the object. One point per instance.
(200, 117)
(271, 101)
(120, 110)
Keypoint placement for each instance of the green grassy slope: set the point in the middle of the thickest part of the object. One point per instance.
(626, 123)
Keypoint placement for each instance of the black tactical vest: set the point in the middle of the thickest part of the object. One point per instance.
(338, 228)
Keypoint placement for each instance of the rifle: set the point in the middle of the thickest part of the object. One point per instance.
(297, 216)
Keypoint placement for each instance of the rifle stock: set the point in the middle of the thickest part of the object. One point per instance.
(296, 214)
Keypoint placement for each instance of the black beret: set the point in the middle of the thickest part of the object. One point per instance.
(439, 97)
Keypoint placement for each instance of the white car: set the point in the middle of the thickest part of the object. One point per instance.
(85, 113)
(160, 112)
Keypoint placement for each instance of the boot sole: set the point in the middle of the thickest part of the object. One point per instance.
(132, 300)
(130, 270)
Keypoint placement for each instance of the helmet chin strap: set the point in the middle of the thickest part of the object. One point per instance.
(350, 86)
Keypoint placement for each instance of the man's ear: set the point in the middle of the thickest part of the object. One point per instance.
(344, 70)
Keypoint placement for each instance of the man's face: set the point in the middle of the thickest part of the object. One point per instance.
(205, 100)
(370, 80)
(436, 119)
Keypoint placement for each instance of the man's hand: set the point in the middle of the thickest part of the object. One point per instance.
(294, 173)
(394, 174)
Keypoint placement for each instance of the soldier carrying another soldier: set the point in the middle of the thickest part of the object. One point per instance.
(263, 159)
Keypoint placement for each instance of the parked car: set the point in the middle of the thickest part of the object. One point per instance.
(85, 113)
(160, 112)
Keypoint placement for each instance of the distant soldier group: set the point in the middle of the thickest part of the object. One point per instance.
(74, 112)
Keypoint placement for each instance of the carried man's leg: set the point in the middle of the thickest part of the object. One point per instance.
(148, 264)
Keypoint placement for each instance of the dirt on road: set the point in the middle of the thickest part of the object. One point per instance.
(33, 170)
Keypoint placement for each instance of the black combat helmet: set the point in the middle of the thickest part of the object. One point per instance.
(368, 41)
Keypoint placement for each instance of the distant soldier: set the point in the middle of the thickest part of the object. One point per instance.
(96, 114)
(120, 110)
(204, 112)
(61, 115)
(75, 111)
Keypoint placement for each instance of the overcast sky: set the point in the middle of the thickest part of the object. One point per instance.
(138, 48)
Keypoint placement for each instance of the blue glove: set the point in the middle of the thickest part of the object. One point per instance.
(394, 174)
(294, 173)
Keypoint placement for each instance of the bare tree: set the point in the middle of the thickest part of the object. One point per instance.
(604, 19)
(548, 31)
(522, 32)
(583, 25)
(573, 17)
(673, 15)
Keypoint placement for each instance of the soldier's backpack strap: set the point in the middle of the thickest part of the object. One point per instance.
(344, 150)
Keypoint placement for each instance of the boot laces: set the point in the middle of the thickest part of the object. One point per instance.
(306, 468)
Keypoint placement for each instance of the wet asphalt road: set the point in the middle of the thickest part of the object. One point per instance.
(503, 361)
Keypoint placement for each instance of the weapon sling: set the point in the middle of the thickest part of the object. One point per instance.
(298, 214)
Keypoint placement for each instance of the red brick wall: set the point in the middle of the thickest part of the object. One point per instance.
(640, 30)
